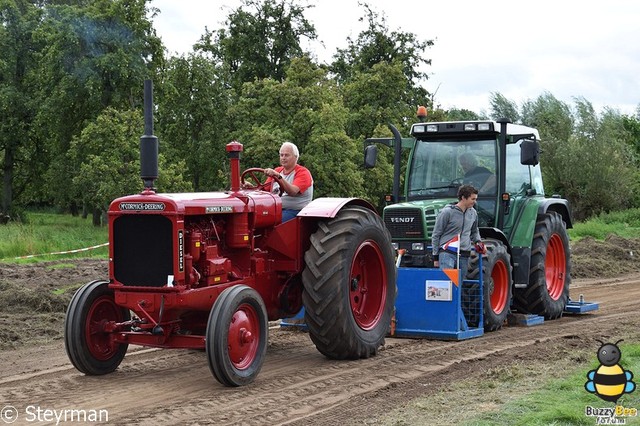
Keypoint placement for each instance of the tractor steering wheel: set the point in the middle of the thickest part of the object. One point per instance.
(252, 174)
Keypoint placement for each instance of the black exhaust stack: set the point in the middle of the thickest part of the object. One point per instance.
(148, 142)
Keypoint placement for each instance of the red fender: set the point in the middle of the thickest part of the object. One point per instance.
(329, 207)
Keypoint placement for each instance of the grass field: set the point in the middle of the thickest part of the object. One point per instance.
(624, 223)
(45, 233)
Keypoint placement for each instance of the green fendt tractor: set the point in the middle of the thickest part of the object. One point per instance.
(527, 264)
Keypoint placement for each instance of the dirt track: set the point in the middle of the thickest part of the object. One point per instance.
(299, 386)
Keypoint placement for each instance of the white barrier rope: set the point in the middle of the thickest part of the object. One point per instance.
(63, 252)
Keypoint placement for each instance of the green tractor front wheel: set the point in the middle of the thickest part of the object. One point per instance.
(497, 283)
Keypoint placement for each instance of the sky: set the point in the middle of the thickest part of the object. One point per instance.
(568, 48)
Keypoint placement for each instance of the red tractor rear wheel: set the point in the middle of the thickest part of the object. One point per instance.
(237, 336)
(550, 271)
(349, 285)
(89, 346)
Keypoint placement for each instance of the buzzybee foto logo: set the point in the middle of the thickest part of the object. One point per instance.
(609, 381)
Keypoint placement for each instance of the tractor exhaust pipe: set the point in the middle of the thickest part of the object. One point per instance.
(148, 142)
(234, 148)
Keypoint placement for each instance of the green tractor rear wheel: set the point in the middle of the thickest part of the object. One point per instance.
(550, 270)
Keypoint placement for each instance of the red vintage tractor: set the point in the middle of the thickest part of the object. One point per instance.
(209, 270)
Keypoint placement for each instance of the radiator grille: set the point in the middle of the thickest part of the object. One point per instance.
(430, 221)
(404, 223)
(142, 250)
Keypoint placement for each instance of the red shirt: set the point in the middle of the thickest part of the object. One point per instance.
(302, 178)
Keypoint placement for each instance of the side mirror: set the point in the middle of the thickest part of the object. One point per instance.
(370, 156)
(529, 152)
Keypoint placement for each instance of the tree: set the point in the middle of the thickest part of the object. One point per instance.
(595, 160)
(378, 44)
(193, 100)
(501, 107)
(456, 114)
(375, 97)
(261, 38)
(106, 156)
(632, 126)
(555, 123)
(306, 109)
(97, 55)
(18, 21)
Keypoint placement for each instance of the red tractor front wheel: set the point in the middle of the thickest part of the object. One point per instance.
(237, 336)
(89, 345)
(349, 285)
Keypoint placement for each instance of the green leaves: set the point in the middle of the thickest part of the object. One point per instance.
(260, 40)
(587, 157)
(71, 78)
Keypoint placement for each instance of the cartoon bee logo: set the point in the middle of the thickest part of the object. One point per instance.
(609, 381)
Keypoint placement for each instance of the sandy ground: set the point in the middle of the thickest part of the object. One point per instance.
(297, 385)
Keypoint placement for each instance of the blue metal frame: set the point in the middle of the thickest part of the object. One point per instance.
(419, 316)
(581, 307)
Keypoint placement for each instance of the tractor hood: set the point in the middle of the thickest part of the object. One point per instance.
(436, 205)
(195, 203)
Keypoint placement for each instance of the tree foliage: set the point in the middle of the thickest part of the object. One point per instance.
(306, 109)
(377, 46)
(106, 158)
(260, 39)
(19, 21)
(584, 154)
(501, 107)
(71, 77)
(97, 55)
(193, 100)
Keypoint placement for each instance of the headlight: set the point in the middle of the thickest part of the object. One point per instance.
(418, 128)
(432, 127)
(483, 126)
(395, 246)
(417, 246)
(469, 126)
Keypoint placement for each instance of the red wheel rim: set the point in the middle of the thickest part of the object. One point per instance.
(102, 311)
(367, 285)
(500, 289)
(244, 336)
(555, 266)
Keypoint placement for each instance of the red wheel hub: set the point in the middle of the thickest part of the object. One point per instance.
(103, 311)
(555, 266)
(367, 285)
(500, 291)
(244, 336)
